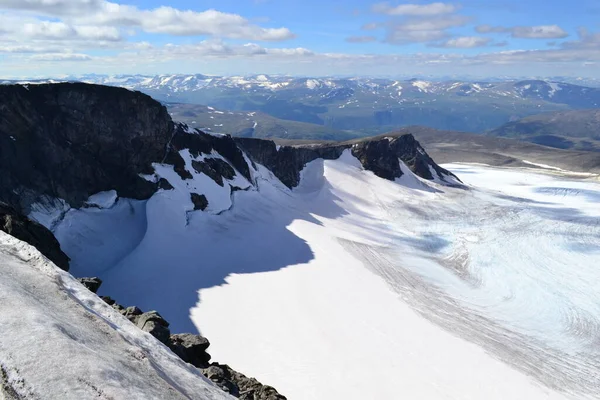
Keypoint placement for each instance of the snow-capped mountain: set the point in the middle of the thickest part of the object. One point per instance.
(364, 105)
(352, 270)
(532, 89)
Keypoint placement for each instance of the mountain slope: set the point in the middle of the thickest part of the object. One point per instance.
(577, 129)
(252, 124)
(60, 341)
(450, 146)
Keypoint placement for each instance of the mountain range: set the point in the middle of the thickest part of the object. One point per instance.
(363, 106)
(575, 129)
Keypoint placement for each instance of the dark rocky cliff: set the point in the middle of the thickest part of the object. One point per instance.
(379, 155)
(21, 227)
(71, 140)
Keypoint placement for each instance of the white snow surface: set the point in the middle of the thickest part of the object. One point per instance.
(103, 199)
(354, 287)
(60, 341)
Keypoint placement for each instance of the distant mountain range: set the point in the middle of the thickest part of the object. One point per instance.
(576, 129)
(365, 106)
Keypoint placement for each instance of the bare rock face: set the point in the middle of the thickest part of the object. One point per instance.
(379, 155)
(21, 227)
(92, 284)
(72, 140)
(153, 323)
(239, 385)
(191, 349)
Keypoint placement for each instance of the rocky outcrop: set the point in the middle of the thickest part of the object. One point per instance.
(192, 349)
(92, 284)
(72, 140)
(286, 162)
(21, 227)
(379, 155)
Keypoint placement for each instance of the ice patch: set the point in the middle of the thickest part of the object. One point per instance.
(103, 199)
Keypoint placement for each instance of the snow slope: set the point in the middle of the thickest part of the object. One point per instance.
(354, 287)
(60, 341)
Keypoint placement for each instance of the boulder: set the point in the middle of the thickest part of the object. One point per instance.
(92, 284)
(153, 323)
(199, 200)
(191, 348)
(239, 385)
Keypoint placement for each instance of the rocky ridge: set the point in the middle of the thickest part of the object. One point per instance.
(69, 141)
(191, 349)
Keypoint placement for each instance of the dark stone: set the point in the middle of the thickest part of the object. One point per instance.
(164, 184)
(287, 162)
(92, 284)
(214, 168)
(379, 155)
(179, 166)
(72, 140)
(240, 385)
(222, 378)
(200, 201)
(22, 228)
(153, 323)
(202, 143)
(191, 348)
(131, 312)
(108, 300)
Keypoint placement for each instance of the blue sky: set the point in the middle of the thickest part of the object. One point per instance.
(475, 38)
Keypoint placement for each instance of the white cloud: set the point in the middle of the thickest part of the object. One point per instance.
(60, 30)
(526, 32)
(464, 42)
(61, 57)
(539, 32)
(165, 20)
(420, 10)
(361, 39)
(423, 30)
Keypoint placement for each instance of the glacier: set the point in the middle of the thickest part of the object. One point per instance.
(351, 286)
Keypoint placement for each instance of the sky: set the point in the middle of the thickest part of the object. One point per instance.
(469, 38)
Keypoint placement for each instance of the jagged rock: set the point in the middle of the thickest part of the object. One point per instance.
(287, 162)
(108, 300)
(72, 140)
(131, 312)
(179, 166)
(222, 378)
(92, 284)
(153, 323)
(191, 348)
(21, 227)
(164, 184)
(240, 385)
(200, 201)
(214, 168)
(202, 143)
(379, 155)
